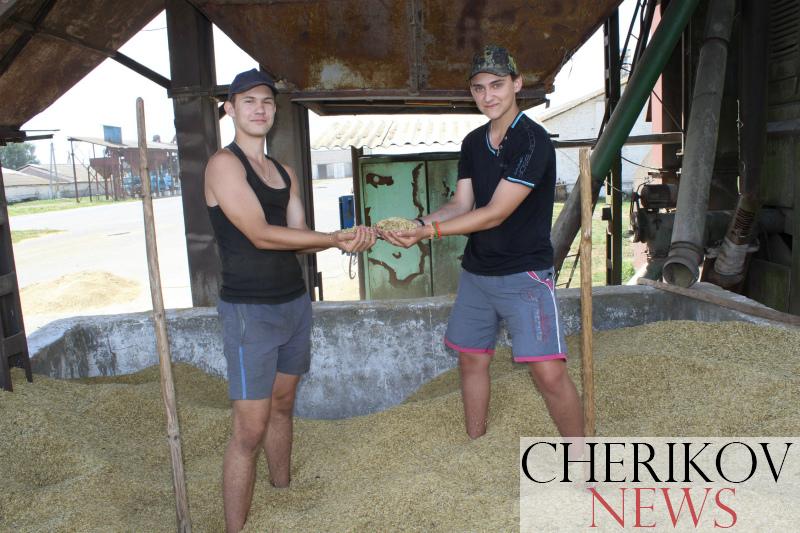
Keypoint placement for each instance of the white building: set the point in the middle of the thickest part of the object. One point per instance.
(20, 187)
(581, 119)
(392, 134)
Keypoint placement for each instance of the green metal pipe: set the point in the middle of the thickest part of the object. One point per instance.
(640, 85)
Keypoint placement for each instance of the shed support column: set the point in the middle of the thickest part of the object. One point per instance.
(191, 53)
(288, 142)
(614, 178)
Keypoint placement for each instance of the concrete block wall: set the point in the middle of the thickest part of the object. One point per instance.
(367, 356)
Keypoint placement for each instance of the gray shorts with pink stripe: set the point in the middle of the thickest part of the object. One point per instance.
(525, 301)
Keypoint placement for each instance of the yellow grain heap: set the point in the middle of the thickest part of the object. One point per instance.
(78, 291)
(390, 224)
(92, 455)
(395, 224)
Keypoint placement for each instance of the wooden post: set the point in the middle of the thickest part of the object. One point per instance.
(74, 172)
(587, 365)
(162, 342)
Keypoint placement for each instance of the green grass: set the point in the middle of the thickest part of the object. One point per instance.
(598, 248)
(21, 235)
(60, 204)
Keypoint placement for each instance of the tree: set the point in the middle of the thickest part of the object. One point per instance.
(17, 155)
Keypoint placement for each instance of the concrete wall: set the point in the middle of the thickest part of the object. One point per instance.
(367, 356)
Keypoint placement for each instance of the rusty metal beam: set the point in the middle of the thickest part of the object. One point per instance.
(251, 2)
(416, 38)
(348, 102)
(220, 92)
(117, 56)
(191, 54)
(672, 137)
(372, 101)
(289, 142)
(137, 67)
(11, 134)
(784, 127)
(613, 64)
(26, 36)
(13, 343)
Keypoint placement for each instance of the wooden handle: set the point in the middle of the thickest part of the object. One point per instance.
(162, 341)
(587, 361)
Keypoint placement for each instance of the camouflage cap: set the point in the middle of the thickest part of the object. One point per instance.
(494, 60)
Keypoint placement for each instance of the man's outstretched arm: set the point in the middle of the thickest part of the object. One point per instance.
(462, 202)
(505, 200)
(296, 218)
(226, 185)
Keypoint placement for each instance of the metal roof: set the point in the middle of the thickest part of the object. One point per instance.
(63, 172)
(366, 51)
(15, 178)
(47, 46)
(334, 56)
(399, 130)
(151, 145)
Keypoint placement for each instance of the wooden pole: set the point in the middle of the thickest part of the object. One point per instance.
(74, 172)
(587, 364)
(162, 341)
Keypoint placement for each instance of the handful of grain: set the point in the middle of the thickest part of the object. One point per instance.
(395, 224)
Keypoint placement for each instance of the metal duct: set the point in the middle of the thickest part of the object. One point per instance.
(686, 251)
(729, 268)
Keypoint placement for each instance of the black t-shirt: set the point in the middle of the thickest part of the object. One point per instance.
(525, 156)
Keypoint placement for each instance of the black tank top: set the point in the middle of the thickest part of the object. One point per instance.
(249, 274)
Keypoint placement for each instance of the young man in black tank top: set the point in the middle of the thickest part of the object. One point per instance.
(504, 203)
(259, 222)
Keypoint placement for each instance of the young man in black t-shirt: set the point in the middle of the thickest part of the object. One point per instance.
(504, 203)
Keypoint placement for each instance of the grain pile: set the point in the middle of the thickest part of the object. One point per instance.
(395, 224)
(77, 292)
(92, 455)
(389, 224)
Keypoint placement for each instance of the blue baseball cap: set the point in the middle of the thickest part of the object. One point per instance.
(244, 81)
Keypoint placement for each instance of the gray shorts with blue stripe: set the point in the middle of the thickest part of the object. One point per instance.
(526, 301)
(260, 340)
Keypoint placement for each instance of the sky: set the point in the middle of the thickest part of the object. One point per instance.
(107, 96)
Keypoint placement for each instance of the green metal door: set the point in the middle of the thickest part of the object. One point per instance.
(447, 252)
(392, 188)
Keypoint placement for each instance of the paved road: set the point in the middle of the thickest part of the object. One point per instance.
(110, 238)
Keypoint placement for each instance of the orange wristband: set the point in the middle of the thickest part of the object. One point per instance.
(438, 231)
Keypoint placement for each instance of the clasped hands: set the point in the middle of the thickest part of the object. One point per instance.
(362, 238)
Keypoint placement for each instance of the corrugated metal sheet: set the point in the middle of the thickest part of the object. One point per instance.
(151, 145)
(13, 178)
(64, 172)
(385, 131)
